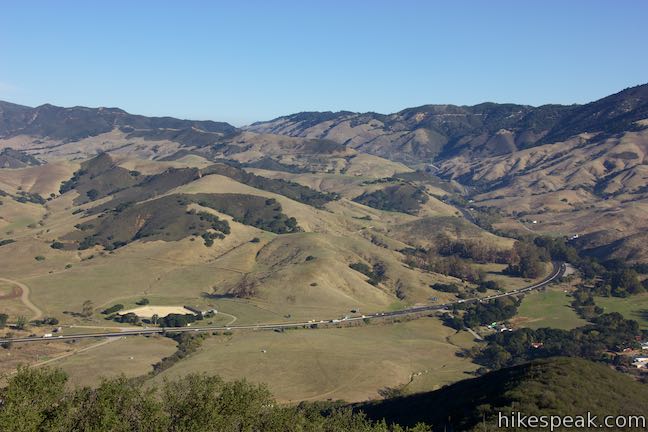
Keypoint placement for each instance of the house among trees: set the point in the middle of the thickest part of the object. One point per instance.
(640, 362)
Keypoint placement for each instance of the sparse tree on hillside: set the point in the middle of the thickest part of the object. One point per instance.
(87, 308)
(21, 322)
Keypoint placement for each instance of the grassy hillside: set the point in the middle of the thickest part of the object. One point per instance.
(10, 158)
(402, 198)
(556, 386)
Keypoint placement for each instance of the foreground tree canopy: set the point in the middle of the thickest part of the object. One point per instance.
(40, 400)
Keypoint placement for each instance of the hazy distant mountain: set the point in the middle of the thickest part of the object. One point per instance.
(434, 132)
(71, 124)
(422, 134)
(564, 165)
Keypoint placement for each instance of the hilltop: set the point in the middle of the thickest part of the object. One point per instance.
(431, 133)
(557, 386)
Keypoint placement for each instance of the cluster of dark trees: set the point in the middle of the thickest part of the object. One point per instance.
(251, 210)
(376, 273)
(283, 187)
(41, 400)
(57, 245)
(45, 321)
(476, 250)
(613, 277)
(221, 228)
(112, 309)
(527, 260)
(429, 260)
(171, 320)
(27, 197)
(70, 184)
(278, 224)
(478, 313)
(608, 332)
(443, 287)
(619, 281)
(128, 318)
(584, 305)
(403, 198)
(500, 309)
(188, 343)
(179, 320)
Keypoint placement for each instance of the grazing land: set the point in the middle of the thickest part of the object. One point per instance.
(548, 308)
(634, 307)
(112, 357)
(346, 363)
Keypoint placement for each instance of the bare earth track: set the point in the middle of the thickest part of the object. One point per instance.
(24, 297)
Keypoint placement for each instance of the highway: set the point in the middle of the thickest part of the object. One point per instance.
(557, 272)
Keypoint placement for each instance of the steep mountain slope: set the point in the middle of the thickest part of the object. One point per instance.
(10, 158)
(593, 185)
(557, 386)
(428, 132)
(612, 114)
(439, 132)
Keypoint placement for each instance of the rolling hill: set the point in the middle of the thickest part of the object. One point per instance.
(315, 215)
(557, 386)
(431, 133)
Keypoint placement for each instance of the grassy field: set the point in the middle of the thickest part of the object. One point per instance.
(131, 356)
(10, 302)
(345, 363)
(508, 283)
(550, 308)
(634, 307)
(34, 353)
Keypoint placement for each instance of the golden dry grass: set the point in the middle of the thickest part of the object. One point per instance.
(346, 363)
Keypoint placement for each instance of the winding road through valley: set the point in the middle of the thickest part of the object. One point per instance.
(557, 272)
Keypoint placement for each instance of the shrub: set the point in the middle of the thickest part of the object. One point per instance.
(112, 309)
(57, 245)
(449, 288)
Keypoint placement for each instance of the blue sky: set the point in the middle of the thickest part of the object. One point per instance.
(242, 61)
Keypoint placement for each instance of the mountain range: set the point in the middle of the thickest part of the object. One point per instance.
(570, 167)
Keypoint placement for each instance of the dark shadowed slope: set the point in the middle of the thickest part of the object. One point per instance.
(557, 386)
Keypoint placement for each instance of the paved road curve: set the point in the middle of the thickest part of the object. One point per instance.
(557, 272)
